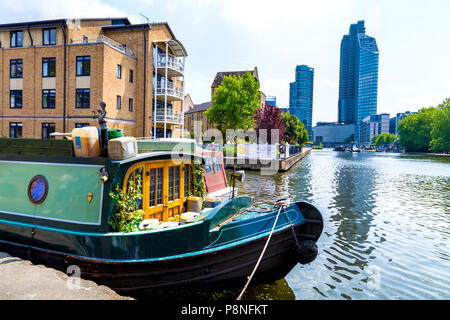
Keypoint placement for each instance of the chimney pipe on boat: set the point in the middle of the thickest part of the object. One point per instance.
(239, 176)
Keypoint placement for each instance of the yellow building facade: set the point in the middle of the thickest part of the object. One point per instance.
(55, 73)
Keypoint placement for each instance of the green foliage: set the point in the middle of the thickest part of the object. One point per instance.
(384, 139)
(199, 179)
(127, 218)
(350, 139)
(188, 135)
(415, 130)
(296, 132)
(319, 147)
(230, 151)
(235, 102)
(440, 132)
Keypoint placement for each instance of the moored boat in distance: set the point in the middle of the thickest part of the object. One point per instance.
(58, 209)
(339, 148)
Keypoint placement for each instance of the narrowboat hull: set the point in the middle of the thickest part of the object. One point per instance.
(56, 211)
(226, 258)
(224, 267)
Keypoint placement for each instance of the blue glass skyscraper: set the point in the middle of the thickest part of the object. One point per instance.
(358, 77)
(271, 100)
(301, 96)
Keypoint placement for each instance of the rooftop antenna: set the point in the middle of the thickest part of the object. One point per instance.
(148, 21)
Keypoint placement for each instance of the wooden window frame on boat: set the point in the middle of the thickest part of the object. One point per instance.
(167, 210)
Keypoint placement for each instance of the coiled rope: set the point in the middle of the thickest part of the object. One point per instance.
(282, 203)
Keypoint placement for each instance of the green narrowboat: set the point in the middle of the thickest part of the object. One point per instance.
(56, 209)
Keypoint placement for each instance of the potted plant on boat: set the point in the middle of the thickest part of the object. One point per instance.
(195, 200)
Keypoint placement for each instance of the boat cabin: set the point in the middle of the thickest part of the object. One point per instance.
(45, 182)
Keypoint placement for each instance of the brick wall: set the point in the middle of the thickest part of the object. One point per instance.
(102, 82)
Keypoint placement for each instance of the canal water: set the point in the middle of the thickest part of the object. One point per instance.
(386, 228)
(386, 225)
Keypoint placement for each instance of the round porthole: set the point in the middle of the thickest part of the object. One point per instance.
(37, 189)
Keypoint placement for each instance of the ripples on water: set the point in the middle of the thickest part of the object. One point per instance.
(387, 224)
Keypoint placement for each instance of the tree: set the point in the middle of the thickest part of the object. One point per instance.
(384, 139)
(235, 102)
(295, 130)
(415, 130)
(350, 139)
(269, 118)
(440, 131)
(373, 140)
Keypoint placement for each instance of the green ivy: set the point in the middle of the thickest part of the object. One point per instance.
(126, 218)
(199, 179)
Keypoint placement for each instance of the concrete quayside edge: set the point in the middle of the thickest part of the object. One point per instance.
(22, 280)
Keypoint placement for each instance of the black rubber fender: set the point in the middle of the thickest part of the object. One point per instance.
(306, 251)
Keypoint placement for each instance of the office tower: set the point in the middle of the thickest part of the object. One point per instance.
(358, 76)
(371, 126)
(271, 100)
(301, 96)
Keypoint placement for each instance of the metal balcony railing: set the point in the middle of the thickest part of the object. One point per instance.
(102, 39)
(171, 89)
(172, 62)
(171, 116)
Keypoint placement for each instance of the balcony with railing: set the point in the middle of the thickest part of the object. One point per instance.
(173, 117)
(174, 93)
(102, 39)
(175, 67)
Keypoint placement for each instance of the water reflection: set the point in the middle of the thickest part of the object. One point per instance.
(278, 290)
(351, 212)
(387, 219)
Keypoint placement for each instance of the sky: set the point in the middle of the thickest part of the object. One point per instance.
(233, 35)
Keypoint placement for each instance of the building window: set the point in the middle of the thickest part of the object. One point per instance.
(49, 37)
(15, 98)
(16, 68)
(16, 39)
(119, 102)
(48, 67)
(47, 129)
(83, 98)
(119, 71)
(15, 129)
(130, 105)
(48, 98)
(160, 133)
(160, 106)
(160, 81)
(81, 125)
(84, 66)
(131, 76)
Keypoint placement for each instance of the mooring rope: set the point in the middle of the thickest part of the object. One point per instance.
(281, 204)
(293, 230)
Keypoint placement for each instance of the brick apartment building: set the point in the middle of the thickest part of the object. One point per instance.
(196, 113)
(55, 73)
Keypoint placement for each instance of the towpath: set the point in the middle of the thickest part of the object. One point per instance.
(22, 280)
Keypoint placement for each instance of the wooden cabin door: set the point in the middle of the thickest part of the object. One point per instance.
(163, 189)
(154, 191)
(175, 192)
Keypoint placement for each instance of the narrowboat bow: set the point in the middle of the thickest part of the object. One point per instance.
(55, 210)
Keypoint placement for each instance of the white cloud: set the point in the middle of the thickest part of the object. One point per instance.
(277, 35)
(56, 9)
(265, 15)
(287, 33)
